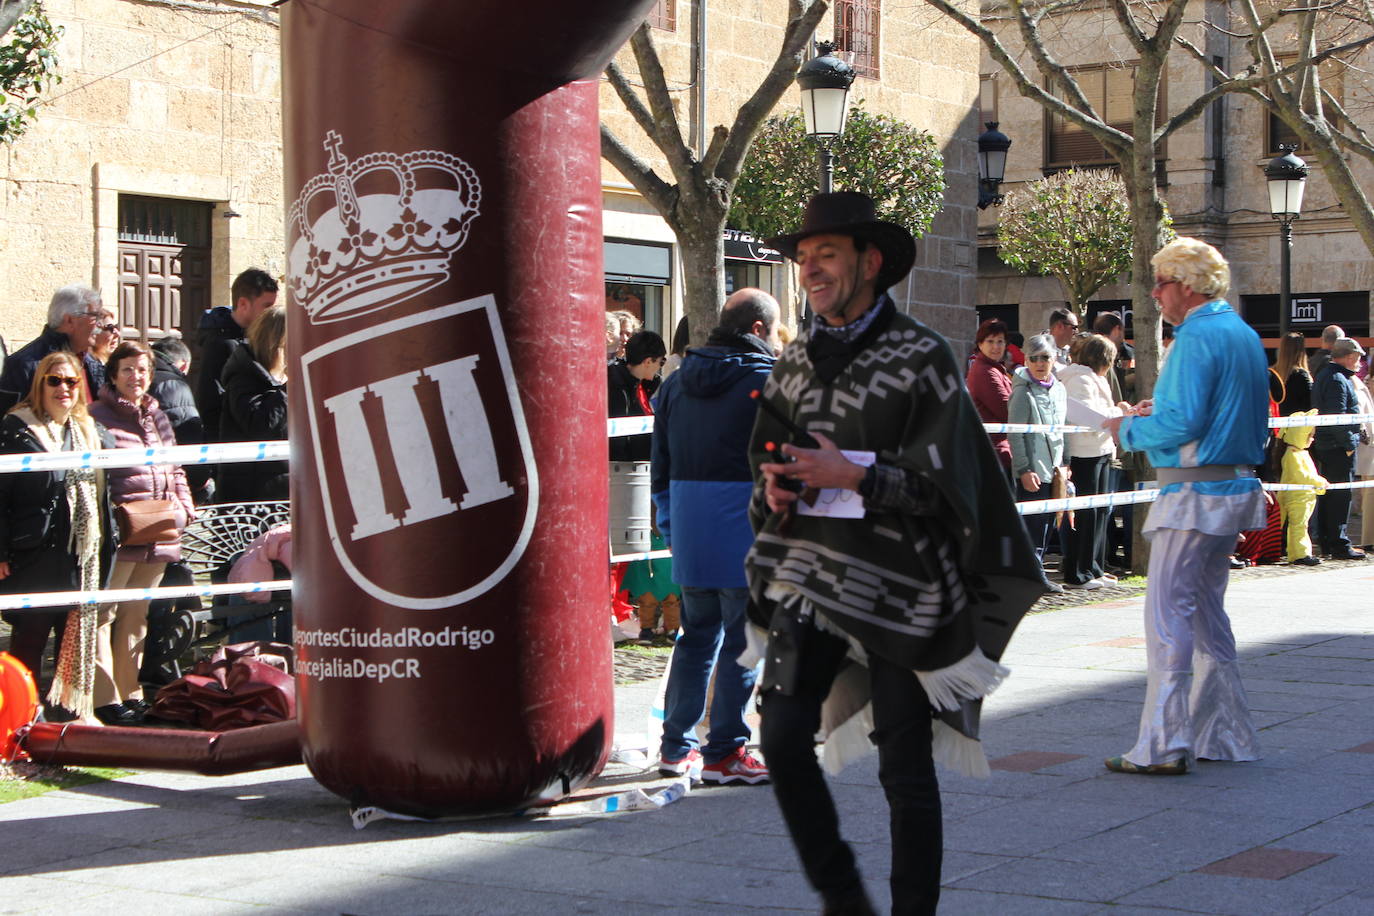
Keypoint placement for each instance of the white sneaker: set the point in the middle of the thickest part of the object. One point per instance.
(1108, 579)
(1086, 586)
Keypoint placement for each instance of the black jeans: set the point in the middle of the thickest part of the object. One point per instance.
(1037, 526)
(1333, 509)
(1085, 543)
(902, 719)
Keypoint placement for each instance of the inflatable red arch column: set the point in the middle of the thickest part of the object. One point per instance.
(447, 396)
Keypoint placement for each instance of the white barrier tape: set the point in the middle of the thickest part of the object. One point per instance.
(629, 426)
(634, 426)
(632, 557)
(220, 452)
(1329, 419)
(115, 595)
(1096, 501)
(1037, 428)
(1352, 485)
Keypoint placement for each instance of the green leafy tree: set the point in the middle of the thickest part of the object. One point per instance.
(28, 64)
(1075, 226)
(896, 164)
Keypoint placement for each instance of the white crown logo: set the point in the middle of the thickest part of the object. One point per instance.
(391, 225)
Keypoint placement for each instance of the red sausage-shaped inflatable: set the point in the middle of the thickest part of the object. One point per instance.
(448, 397)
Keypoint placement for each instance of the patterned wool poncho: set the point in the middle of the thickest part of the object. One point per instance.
(937, 588)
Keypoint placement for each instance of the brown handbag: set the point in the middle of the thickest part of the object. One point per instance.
(147, 521)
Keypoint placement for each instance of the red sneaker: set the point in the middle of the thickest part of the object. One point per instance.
(738, 767)
(688, 764)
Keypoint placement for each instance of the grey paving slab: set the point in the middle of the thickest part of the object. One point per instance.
(1031, 826)
(1053, 878)
(960, 902)
(1236, 896)
(1180, 839)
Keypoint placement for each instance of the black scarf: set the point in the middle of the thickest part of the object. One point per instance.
(831, 350)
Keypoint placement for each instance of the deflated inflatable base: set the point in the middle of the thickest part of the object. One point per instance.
(258, 747)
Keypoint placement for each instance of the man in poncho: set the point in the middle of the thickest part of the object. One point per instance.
(891, 583)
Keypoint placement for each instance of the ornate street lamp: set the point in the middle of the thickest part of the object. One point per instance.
(992, 164)
(825, 82)
(1287, 176)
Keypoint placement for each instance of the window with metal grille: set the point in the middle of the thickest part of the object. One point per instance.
(163, 220)
(856, 31)
(1331, 78)
(663, 15)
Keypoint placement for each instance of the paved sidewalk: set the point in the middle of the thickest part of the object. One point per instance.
(1052, 832)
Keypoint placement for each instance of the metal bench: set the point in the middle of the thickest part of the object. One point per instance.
(218, 536)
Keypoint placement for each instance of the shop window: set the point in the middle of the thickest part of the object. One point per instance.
(638, 276)
(663, 16)
(1331, 78)
(1108, 88)
(856, 31)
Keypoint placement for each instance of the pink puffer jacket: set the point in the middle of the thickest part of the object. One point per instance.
(143, 426)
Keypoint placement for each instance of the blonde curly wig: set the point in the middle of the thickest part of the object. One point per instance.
(1195, 264)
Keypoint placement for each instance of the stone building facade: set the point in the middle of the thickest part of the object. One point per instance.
(926, 74)
(153, 171)
(1212, 177)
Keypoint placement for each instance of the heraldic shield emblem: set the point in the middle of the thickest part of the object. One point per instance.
(423, 454)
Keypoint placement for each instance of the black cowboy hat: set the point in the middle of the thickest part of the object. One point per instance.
(854, 214)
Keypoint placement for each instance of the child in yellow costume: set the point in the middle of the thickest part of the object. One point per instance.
(1297, 506)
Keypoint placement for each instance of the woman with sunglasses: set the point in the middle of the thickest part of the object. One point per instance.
(55, 530)
(134, 420)
(1037, 397)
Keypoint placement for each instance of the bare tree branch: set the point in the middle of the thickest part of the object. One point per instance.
(656, 191)
(667, 135)
(804, 16)
(10, 13)
(630, 99)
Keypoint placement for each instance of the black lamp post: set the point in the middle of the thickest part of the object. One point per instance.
(992, 164)
(1287, 176)
(825, 82)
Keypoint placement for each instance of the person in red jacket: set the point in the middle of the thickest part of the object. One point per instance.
(989, 383)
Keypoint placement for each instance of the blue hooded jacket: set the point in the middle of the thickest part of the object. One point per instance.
(1211, 403)
(701, 479)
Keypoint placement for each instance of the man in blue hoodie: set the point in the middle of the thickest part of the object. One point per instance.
(702, 483)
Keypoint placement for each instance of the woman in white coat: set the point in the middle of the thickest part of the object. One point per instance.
(1090, 455)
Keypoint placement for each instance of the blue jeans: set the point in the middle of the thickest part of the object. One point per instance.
(713, 624)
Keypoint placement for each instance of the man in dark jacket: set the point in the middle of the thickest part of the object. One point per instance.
(701, 484)
(171, 362)
(221, 331)
(1333, 392)
(74, 317)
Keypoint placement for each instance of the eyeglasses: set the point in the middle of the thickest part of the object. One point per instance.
(55, 381)
(110, 328)
(1038, 359)
(1160, 284)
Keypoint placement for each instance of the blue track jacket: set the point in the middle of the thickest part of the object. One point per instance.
(701, 479)
(1211, 401)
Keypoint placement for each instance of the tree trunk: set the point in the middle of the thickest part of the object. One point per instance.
(702, 248)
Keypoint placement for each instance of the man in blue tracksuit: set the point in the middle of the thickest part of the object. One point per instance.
(1204, 432)
(702, 483)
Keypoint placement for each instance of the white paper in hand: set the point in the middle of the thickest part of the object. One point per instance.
(832, 502)
(1079, 414)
